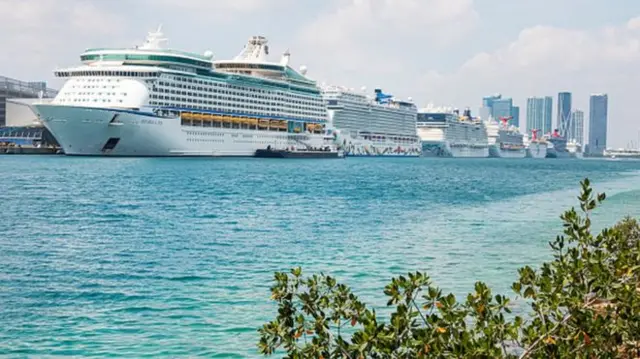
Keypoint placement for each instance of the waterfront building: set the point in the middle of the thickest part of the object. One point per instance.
(539, 114)
(12, 88)
(598, 108)
(564, 112)
(575, 131)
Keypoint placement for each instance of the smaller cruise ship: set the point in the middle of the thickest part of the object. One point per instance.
(505, 141)
(445, 133)
(536, 146)
(557, 147)
(574, 149)
(363, 125)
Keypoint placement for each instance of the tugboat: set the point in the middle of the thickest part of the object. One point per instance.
(325, 152)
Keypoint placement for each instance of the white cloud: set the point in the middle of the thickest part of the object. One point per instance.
(544, 60)
(225, 6)
(41, 34)
(381, 37)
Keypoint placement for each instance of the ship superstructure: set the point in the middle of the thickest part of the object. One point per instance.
(505, 141)
(371, 126)
(154, 101)
(444, 132)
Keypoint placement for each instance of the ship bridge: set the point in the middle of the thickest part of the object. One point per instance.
(253, 61)
(150, 53)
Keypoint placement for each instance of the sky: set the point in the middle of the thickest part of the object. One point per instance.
(444, 52)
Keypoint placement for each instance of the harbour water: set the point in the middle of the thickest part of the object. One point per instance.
(157, 258)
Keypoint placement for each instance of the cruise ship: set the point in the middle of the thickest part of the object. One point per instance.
(444, 133)
(574, 148)
(371, 126)
(504, 141)
(153, 101)
(557, 147)
(536, 146)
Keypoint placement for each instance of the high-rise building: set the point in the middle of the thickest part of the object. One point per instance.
(501, 108)
(539, 114)
(487, 101)
(498, 107)
(598, 107)
(515, 113)
(10, 88)
(564, 112)
(575, 131)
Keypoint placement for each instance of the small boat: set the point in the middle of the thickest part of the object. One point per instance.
(327, 152)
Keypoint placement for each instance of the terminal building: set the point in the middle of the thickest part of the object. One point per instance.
(18, 121)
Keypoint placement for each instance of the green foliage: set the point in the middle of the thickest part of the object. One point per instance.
(585, 303)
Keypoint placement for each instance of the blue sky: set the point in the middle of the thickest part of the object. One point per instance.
(446, 52)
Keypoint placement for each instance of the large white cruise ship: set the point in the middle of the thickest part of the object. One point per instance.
(153, 101)
(366, 126)
(504, 141)
(444, 133)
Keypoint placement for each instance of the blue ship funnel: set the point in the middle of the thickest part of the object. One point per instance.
(382, 97)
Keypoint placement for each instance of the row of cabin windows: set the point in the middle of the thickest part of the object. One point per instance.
(135, 57)
(105, 73)
(239, 105)
(243, 90)
(221, 108)
(202, 99)
(256, 81)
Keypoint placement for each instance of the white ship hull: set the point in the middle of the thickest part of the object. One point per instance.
(445, 149)
(497, 152)
(360, 147)
(87, 131)
(537, 150)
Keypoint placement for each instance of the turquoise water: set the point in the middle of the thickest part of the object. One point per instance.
(174, 257)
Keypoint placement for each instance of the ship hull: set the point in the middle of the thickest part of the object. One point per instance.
(537, 150)
(359, 147)
(552, 153)
(444, 149)
(497, 152)
(83, 131)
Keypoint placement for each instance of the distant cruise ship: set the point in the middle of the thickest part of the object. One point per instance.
(444, 133)
(537, 146)
(153, 101)
(557, 146)
(504, 141)
(365, 126)
(574, 149)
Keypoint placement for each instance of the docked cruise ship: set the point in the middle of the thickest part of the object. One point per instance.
(504, 141)
(444, 133)
(557, 147)
(536, 146)
(154, 101)
(574, 148)
(371, 126)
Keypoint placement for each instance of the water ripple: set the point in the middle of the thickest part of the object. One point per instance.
(174, 258)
